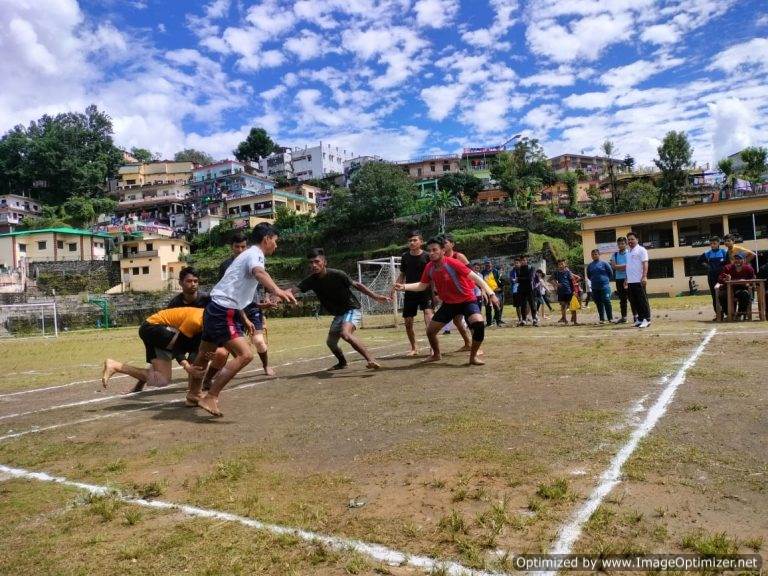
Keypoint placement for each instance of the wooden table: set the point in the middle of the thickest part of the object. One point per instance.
(757, 286)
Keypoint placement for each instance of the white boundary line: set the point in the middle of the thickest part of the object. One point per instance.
(375, 551)
(610, 478)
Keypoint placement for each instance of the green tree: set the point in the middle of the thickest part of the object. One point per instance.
(609, 149)
(142, 154)
(675, 155)
(465, 187)
(571, 182)
(55, 157)
(194, 156)
(257, 145)
(629, 162)
(597, 204)
(287, 220)
(523, 172)
(638, 195)
(79, 211)
(726, 167)
(379, 192)
(580, 174)
(755, 167)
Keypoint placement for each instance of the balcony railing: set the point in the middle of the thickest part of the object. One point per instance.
(140, 254)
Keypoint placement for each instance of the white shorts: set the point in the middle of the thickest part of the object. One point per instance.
(353, 316)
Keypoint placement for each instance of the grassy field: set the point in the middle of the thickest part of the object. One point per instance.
(444, 461)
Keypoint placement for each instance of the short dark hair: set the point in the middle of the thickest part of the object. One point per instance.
(448, 237)
(621, 239)
(715, 239)
(413, 233)
(188, 271)
(261, 231)
(315, 252)
(439, 240)
(595, 250)
(729, 237)
(631, 234)
(237, 238)
(561, 260)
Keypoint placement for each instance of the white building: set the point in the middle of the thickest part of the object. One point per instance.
(277, 164)
(318, 161)
(15, 207)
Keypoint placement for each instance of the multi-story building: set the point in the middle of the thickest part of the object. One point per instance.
(595, 167)
(15, 207)
(151, 263)
(317, 162)
(675, 237)
(154, 192)
(52, 245)
(300, 198)
(278, 164)
(353, 165)
(430, 167)
(212, 186)
(478, 162)
(492, 196)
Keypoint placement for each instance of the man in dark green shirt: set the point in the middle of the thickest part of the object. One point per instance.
(334, 290)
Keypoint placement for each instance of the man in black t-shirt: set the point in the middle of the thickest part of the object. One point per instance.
(190, 295)
(334, 290)
(412, 264)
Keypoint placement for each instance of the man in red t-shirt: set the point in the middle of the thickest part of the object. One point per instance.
(738, 270)
(454, 283)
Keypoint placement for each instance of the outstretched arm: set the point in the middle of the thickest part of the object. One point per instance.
(412, 287)
(480, 283)
(266, 280)
(360, 287)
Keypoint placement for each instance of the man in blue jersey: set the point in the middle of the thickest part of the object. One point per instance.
(619, 265)
(714, 259)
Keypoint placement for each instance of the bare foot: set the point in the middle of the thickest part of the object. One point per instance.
(110, 367)
(480, 353)
(210, 404)
(476, 362)
(138, 387)
(433, 358)
(373, 365)
(269, 371)
(465, 348)
(191, 400)
(413, 353)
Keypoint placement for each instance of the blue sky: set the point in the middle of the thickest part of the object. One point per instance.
(398, 78)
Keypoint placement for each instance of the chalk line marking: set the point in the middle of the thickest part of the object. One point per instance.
(610, 478)
(374, 551)
(245, 386)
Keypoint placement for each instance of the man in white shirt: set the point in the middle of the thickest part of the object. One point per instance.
(224, 320)
(637, 277)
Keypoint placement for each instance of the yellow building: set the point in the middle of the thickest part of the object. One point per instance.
(152, 263)
(676, 237)
(301, 198)
(134, 176)
(51, 245)
(431, 166)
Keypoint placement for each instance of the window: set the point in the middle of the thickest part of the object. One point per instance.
(742, 226)
(125, 270)
(60, 244)
(693, 268)
(431, 167)
(655, 235)
(698, 232)
(605, 236)
(42, 245)
(145, 269)
(150, 247)
(173, 247)
(135, 271)
(446, 167)
(661, 268)
(129, 182)
(22, 248)
(418, 171)
(73, 246)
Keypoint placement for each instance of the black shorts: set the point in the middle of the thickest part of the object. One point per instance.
(220, 324)
(255, 315)
(156, 338)
(447, 312)
(412, 305)
(565, 298)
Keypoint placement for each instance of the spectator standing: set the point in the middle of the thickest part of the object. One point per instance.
(525, 275)
(730, 243)
(513, 289)
(619, 265)
(600, 274)
(542, 292)
(566, 282)
(492, 277)
(637, 278)
(715, 259)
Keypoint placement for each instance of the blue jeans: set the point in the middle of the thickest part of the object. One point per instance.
(602, 297)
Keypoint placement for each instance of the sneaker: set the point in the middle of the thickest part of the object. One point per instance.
(601, 322)
(644, 324)
(536, 322)
(622, 320)
(637, 323)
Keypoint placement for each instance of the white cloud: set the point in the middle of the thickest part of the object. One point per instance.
(590, 100)
(637, 72)
(551, 78)
(746, 54)
(306, 46)
(734, 126)
(504, 19)
(161, 28)
(661, 34)
(435, 13)
(441, 100)
(542, 118)
(273, 93)
(762, 20)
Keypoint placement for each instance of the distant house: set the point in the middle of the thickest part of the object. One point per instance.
(52, 245)
(151, 263)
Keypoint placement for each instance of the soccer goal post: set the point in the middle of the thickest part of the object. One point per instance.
(25, 320)
(379, 276)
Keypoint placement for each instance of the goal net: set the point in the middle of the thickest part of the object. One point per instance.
(25, 320)
(379, 276)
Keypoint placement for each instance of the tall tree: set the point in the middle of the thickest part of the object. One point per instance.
(379, 192)
(194, 156)
(675, 155)
(726, 167)
(60, 156)
(571, 182)
(755, 166)
(257, 145)
(597, 204)
(465, 187)
(142, 154)
(609, 149)
(629, 162)
(638, 195)
(523, 172)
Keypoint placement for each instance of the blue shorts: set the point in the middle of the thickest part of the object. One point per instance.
(353, 316)
(255, 315)
(220, 324)
(447, 312)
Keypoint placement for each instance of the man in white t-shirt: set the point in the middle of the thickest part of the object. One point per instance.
(637, 277)
(224, 320)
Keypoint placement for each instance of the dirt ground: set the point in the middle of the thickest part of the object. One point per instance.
(440, 460)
